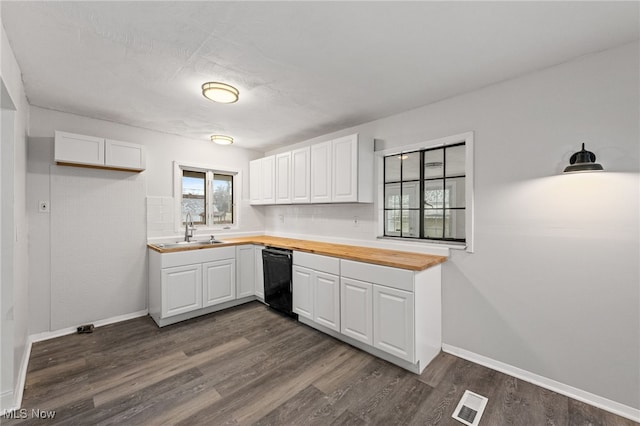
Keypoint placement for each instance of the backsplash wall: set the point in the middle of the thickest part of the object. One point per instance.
(347, 221)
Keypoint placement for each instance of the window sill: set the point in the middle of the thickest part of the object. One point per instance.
(448, 244)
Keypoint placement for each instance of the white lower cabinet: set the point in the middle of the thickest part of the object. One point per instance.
(326, 300)
(259, 271)
(396, 312)
(186, 284)
(246, 265)
(219, 282)
(316, 289)
(302, 291)
(393, 322)
(356, 310)
(181, 289)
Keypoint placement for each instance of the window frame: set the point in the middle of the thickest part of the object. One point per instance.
(467, 139)
(210, 170)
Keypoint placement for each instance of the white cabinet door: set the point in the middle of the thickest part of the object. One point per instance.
(268, 193)
(326, 307)
(302, 291)
(245, 258)
(356, 313)
(219, 282)
(255, 181)
(124, 155)
(300, 175)
(344, 158)
(321, 172)
(259, 270)
(78, 149)
(393, 322)
(181, 289)
(283, 178)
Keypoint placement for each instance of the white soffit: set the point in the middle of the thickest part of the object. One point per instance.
(303, 68)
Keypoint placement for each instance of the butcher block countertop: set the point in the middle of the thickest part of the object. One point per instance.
(393, 258)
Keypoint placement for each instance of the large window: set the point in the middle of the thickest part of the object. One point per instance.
(425, 193)
(206, 194)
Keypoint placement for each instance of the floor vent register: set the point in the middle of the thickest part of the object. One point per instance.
(470, 408)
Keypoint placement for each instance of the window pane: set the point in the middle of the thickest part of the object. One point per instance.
(456, 161)
(411, 195)
(392, 168)
(392, 196)
(392, 223)
(433, 223)
(411, 166)
(433, 163)
(454, 224)
(434, 194)
(193, 196)
(411, 223)
(454, 192)
(222, 199)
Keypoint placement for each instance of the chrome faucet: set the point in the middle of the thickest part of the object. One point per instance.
(189, 229)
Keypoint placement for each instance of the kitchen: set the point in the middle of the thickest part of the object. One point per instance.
(546, 288)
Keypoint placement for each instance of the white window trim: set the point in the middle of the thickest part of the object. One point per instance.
(178, 166)
(467, 138)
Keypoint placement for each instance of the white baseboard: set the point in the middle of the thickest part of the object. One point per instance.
(38, 337)
(561, 388)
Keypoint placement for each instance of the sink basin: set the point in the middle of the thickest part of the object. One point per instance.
(188, 244)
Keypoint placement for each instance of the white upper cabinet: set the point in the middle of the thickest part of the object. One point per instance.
(255, 181)
(89, 151)
(262, 175)
(321, 172)
(78, 149)
(268, 193)
(300, 175)
(124, 155)
(283, 178)
(336, 171)
(344, 159)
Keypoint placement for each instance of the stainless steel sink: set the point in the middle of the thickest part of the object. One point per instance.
(188, 244)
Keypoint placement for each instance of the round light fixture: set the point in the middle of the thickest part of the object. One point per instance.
(220, 92)
(583, 161)
(222, 139)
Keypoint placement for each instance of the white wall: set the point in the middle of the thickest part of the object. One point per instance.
(553, 285)
(162, 149)
(13, 287)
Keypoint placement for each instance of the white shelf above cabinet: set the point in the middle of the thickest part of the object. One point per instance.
(89, 151)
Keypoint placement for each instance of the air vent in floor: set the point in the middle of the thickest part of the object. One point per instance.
(470, 408)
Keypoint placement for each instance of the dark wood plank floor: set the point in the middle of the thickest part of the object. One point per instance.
(249, 365)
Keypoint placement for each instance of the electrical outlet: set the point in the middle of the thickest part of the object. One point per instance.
(43, 206)
(356, 220)
(281, 218)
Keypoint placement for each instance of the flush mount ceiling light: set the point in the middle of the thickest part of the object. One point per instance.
(222, 139)
(583, 161)
(220, 92)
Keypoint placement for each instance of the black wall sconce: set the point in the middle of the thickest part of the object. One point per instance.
(583, 161)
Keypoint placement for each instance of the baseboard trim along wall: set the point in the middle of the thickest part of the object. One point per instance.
(39, 337)
(561, 388)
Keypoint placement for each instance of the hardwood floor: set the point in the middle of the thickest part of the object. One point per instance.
(249, 365)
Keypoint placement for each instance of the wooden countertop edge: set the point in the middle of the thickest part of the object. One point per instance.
(384, 257)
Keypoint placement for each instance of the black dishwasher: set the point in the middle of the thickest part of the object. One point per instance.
(277, 279)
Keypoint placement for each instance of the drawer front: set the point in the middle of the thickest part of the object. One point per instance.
(330, 265)
(190, 257)
(401, 279)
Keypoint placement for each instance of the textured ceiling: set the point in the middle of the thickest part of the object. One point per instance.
(303, 68)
